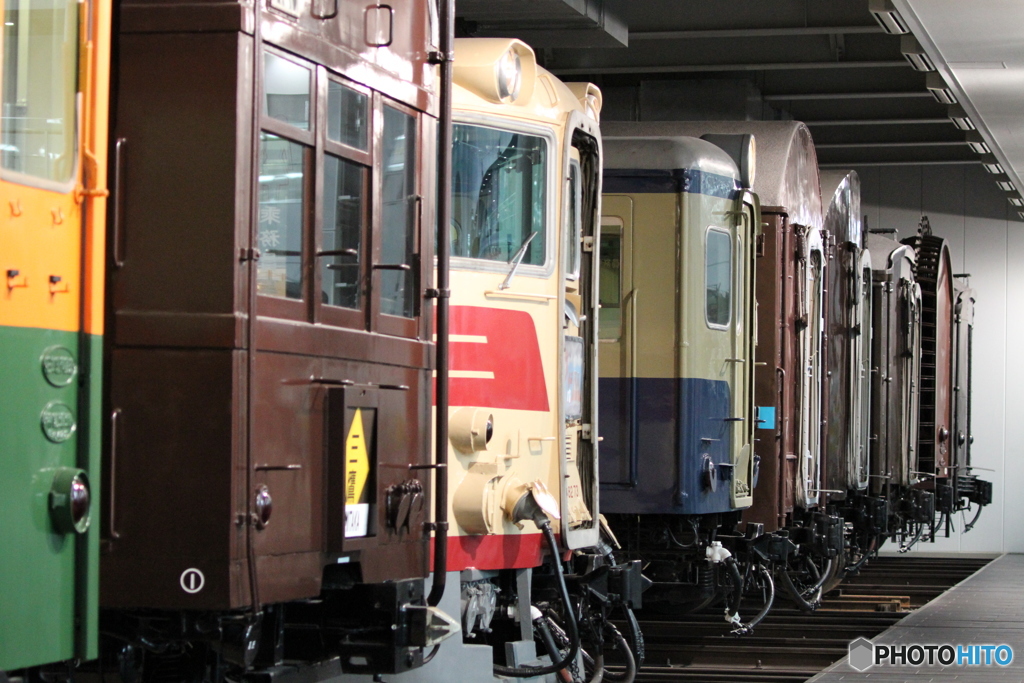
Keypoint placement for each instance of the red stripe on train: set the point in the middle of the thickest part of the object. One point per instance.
(498, 551)
(511, 353)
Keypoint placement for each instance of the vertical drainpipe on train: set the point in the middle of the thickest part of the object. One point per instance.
(444, 57)
(250, 332)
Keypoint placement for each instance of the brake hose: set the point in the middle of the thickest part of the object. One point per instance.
(571, 627)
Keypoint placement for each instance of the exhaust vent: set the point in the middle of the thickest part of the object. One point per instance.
(888, 17)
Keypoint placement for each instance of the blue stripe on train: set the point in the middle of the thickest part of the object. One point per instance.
(661, 181)
(658, 467)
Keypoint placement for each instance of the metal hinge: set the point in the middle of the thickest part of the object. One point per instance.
(248, 255)
(588, 244)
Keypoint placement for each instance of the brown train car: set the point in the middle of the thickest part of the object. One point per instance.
(270, 353)
(947, 320)
(848, 328)
(848, 376)
(935, 275)
(895, 389)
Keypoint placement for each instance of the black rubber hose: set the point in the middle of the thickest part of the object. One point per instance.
(794, 592)
(975, 520)
(822, 577)
(917, 537)
(549, 642)
(637, 636)
(629, 674)
(571, 627)
(855, 567)
(598, 674)
(737, 592)
(749, 626)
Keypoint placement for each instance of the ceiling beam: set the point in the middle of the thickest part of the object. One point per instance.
(752, 32)
(878, 122)
(698, 68)
(847, 96)
(934, 162)
(858, 145)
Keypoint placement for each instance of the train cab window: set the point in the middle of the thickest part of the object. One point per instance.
(346, 115)
(610, 298)
(574, 208)
(40, 57)
(341, 258)
(398, 215)
(718, 278)
(499, 195)
(281, 217)
(286, 90)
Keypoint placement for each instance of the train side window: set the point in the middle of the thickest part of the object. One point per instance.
(286, 90)
(718, 278)
(281, 217)
(610, 298)
(499, 195)
(40, 57)
(341, 259)
(346, 115)
(398, 215)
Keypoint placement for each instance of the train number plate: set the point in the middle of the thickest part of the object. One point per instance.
(357, 518)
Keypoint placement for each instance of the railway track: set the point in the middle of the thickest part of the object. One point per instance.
(790, 646)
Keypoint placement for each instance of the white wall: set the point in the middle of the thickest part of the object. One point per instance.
(986, 240)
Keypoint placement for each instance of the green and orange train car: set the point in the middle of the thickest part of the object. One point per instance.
(52, 211)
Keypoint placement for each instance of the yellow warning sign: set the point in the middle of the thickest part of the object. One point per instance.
(357, 461)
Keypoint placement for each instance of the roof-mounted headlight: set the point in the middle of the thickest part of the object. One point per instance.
(509, 75)
(502, 70)
(743, 150)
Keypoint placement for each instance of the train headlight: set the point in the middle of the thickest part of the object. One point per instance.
(264, 507)
(509, 75)
(70, 501)
(501, 70)
(742, 149)
(471, 429)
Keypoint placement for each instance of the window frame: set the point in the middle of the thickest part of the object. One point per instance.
(552, 235)
(339, 316)
(316, 146)
(616, 230)
(384, 323)
(732, 273)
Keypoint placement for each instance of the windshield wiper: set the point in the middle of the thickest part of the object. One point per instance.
(516, 260)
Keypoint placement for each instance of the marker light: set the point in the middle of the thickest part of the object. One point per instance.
(264, 507)
(70, 501)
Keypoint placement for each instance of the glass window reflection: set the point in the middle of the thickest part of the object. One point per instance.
(498, 194)
(40, 56)
(346, 115)
(286, 88)
(718, 277)
(398, 215)
(281, 212)
(610, 297)
(341, 260)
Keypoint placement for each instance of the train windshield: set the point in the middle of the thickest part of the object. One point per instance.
(499, 194)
